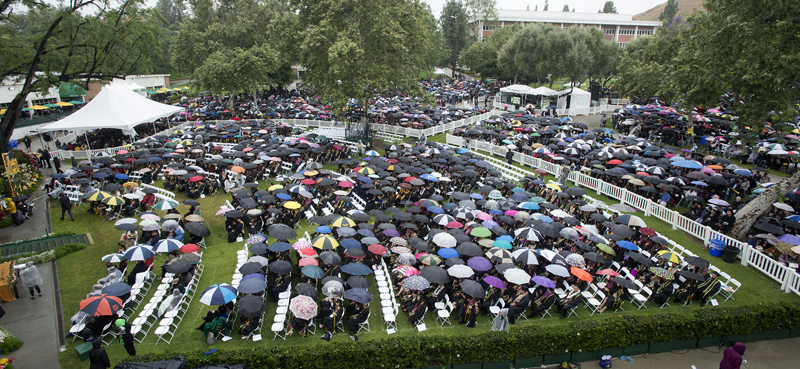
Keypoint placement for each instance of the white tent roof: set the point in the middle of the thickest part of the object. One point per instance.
(518, 89)
(544, 91)
(114, 107)
(440, 71)
(580, 99)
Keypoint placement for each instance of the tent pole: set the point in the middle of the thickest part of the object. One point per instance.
(40, 139)
(87, 143)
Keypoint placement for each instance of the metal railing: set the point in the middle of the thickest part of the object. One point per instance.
(789, 279)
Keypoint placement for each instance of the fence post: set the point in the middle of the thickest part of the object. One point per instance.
(787, 278)
(647, 208)
(675, 220)
(706, 235)
(746, 254)
(624, 193)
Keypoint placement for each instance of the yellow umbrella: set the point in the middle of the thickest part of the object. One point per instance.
(670, 256)
(61, 103)
(292, 205)
(554, 186)
(274, 187)
(113, 201)
(130, 184)
(311, 173)
(343, 222)
(537, 145)
(38, 107)
(2, 111)
(325, 242)
(99, 195)
(366, 171)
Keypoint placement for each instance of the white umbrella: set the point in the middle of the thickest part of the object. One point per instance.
(588, 208)
(783, 206)
(259, 259)
(569, 233)
(444, 240)
(622, 208)
(167, 245)
(126, 221)
(547, 254)
(460, 271)
(576, 260)
(517, 276)
(558, 270)
(139, 252)
(113, 258)
(558, 213)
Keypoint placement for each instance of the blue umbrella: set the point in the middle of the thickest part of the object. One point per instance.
(349, 243)
(100, 175)
(121, 176)
(449, 206)
(627, 245)
(743, 172)
(366, 232)
(218, 294)
(356, 269)
(503, 244)
(448, 253)
(358, 295)
(546, 219)
(323, 229)
(279, 247)
(476, 196)
(284, 196)
(496, 212)
(313, 271)
(256, 276)
(529, 206)
(505, 238)
(689, 164)
(435, 209)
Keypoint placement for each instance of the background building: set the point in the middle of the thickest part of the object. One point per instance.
(620, 28)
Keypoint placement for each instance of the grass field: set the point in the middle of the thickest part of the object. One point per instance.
(80, 270)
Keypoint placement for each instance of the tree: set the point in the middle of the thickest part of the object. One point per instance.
(172, 11)
(233, 45)
(358, 49)
(522, 56)
(609, 7)
(481, 57)
(604, 54)
(566, 8)
(49, 45)
(546, 5)
(670, 10)
(480, 12)
(646, 65)
(455, 29)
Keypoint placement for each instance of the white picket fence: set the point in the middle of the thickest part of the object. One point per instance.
(789, 279)
(88, 154)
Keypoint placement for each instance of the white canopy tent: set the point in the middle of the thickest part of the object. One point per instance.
(523, 95)
(518, 89)
(576, 99)
(544, 91)
(114, 107)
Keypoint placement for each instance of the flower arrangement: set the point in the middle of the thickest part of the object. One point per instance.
(6, 363)
(8, 343)
(29, 173)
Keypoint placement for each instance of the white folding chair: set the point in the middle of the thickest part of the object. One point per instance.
(641, 298)
(594, 302)
(444, 314)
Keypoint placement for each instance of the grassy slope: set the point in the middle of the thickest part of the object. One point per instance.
(684, 7)
(79, 271)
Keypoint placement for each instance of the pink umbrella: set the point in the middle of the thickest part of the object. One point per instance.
(301, 244)
(483, 216)
(308, 261)
(708, 170)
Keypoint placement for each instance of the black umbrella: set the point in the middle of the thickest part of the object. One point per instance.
(593, 256)
(623, 282)
(198, 229)
(641, 259)
(258, 248)
(250, 268)
(306, 289)
(769, 228)
(251, 306)
(279, 267)
(191, 202)
(691, 275)
(473, 289)
(281, 232)
(178, 266)
(128, 227)
(697, 261)
(234, 214)
(621, 230)
(117, 289)
(358, 282)
(330, 257)
(435, 274)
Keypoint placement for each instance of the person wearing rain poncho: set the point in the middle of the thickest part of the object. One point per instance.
(170, 303)
(31, 279)
(114, 276)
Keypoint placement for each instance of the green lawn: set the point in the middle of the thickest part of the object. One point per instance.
(80, 270)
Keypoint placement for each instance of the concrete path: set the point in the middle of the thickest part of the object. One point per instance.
(759, 355)
(34, 322)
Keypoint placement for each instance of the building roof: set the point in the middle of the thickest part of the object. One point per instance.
(570, 17)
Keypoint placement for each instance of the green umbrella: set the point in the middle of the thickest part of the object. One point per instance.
(165, 205)
(605, 248)
(480, 232)
(537, 200)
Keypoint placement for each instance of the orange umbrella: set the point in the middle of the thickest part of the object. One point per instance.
(581, 274)
(101, 305)
(237, 169)
(715, 167)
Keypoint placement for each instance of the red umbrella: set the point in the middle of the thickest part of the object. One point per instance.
(649, 232)
(101, 305)
(308, 181)
(454, 225)
(377, 249)
(409, 179)
(189, 247)
(608, 272)
(195, 179)
(615, 162)
(345, 184)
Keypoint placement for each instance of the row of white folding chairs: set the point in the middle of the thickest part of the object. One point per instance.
(171, 320)
(389, 305)
(280, 323)
(142, 323)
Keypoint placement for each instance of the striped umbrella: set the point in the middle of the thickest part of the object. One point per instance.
(139, 252)
(113, 201)
(218, 294)
(99, 196)
(401, 250)
(407, 270)
(113, 258)
(101, 305)
(670, 256)
(324, 242)
(428, 259)
(165, 205)
(343, 222)
(366, 171)
(167, 245)
(499, 255)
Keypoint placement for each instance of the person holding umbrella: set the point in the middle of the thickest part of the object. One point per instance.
(517, 305)
(359, 312)
(332, 311)
(125, 336)
(571, 300)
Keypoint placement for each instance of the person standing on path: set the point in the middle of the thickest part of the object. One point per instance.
(732, 359)
(31, 278)
(11, 207)
(125, 336)
(98, 358)
(46, 158)
(66, 206)
(57, 164)
(509, 157)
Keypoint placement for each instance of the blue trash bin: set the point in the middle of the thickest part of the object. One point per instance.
(703, 140)
(715, 247)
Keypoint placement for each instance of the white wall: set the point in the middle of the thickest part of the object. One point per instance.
(149, 81)
(9, 90)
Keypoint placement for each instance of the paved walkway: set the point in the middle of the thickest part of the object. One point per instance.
(759, 355)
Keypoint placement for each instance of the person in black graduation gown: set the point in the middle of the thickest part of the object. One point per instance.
(359, 314)
(517, 303)
(98, 358)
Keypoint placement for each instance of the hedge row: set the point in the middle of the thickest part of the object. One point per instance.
(421, 351)
(46, 256)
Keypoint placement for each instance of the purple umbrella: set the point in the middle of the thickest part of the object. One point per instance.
(791, 239)
(544, 282)
(479, 264)
(521, 197)
(490, 223)
(494, 282)
(391, 232)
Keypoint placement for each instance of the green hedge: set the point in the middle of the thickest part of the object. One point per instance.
(421, 351)
(49, 255)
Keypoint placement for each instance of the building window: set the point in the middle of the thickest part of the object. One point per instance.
(621, 44)
(491, 27)
(44, 101)
(627, 32)
(645, 32)
(609, 31)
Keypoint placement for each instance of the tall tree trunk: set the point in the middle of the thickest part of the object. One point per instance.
(749, 214)
(9, 120)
